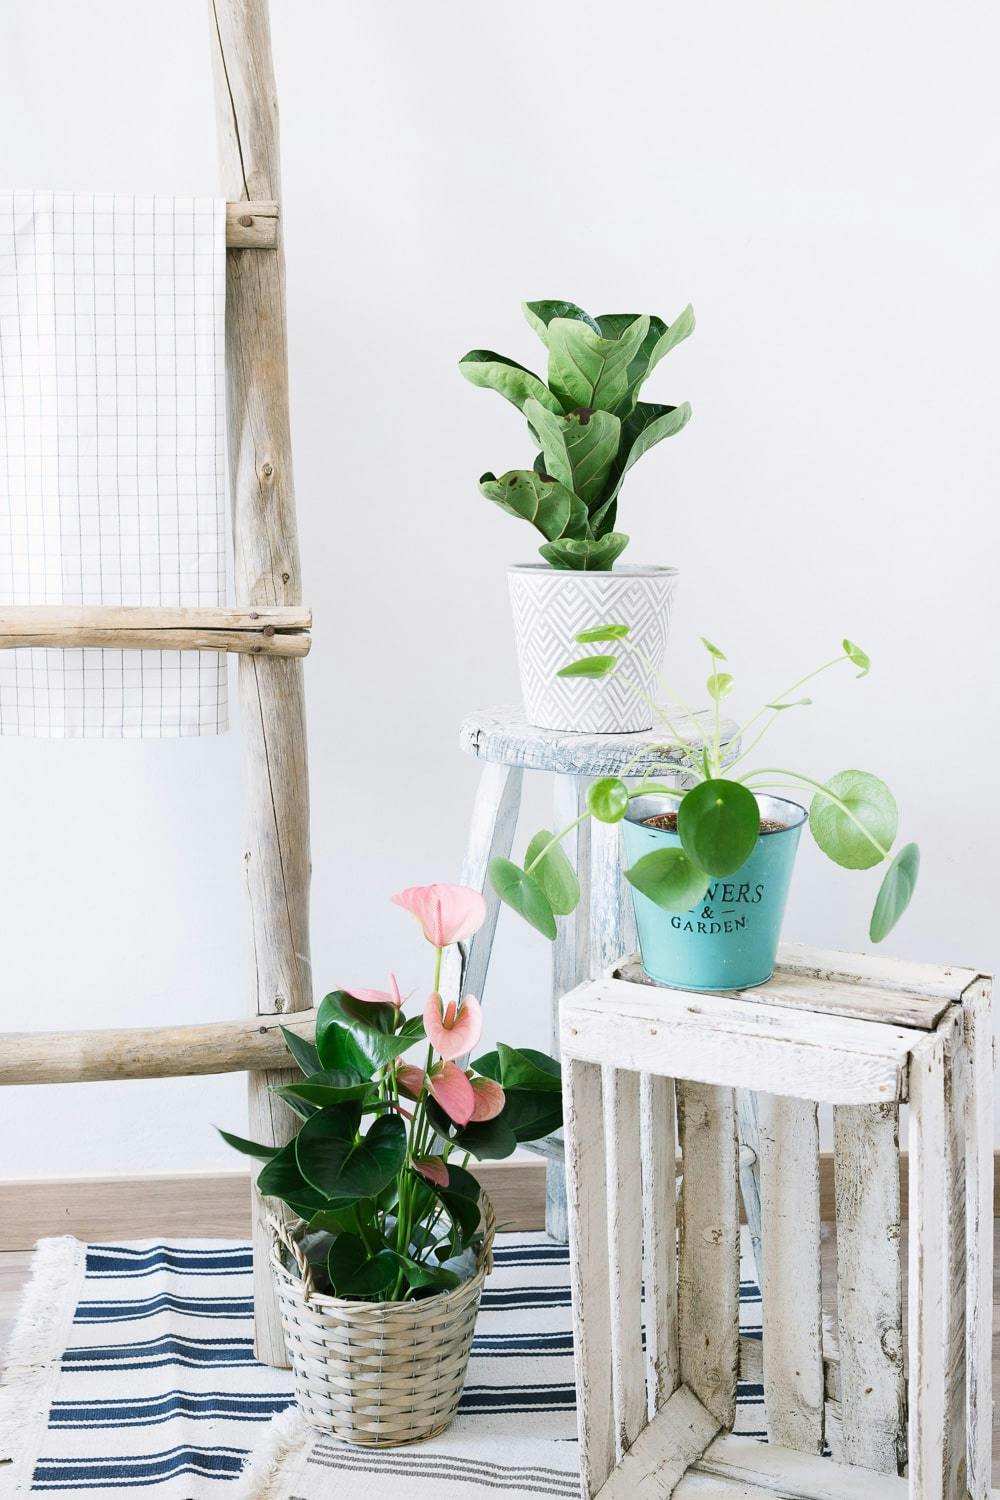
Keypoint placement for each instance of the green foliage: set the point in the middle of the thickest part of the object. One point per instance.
(895, 892)
(553, 872)
(670, 878)
(719, 823)
(856, 826)
(587, 421)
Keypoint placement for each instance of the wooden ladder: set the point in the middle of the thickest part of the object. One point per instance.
(269, 631)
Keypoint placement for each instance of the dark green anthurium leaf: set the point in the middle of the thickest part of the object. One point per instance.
(335, 1041)
(553, 872)
(537, 498)
(490, 1140)
(669, 878)
(589, 666)
(858, 657)
(328, 1087)
(495, 372)
(341, 1218)
(520, 1068)
(602, 633)
(413, 1030)
(524, 894)
(369, 1028)
(462, 1208)
(281, 1178)
(354, 1272)
(531, 1114)
(462, 1182)
(419, 1274)
(338, 1163)
(719, 685)
(579, 448)
(713, 650)
(303, 1051)
(895, 892)
(647, 425)
(795, 703)
(585, 556)
(719, 823)
(588, 370)
(868, 801)
(541, 314)
(248, 1148)
(607, 799)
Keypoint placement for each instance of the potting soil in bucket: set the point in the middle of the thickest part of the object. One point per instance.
(730, 939)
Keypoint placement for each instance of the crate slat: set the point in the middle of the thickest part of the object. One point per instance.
(621, 1133)
(659, 1216)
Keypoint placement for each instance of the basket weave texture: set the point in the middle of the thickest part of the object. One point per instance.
(377, 1374)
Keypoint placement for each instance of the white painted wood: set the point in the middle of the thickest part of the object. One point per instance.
(802, 991)
(587, 1200)
(720, 1039)
(491, 835)
(870, 1286)
(612, 925)
(927, 1271)
(979, 1163)
(571, 949)
(747, 1129)
(799, 1476)
(149, 1051)
(658, 1145)
(251, 226)
(664, 1451)
(790, 1256)
(911, 982)
(953, 1343)
(709, 1270)
(695, 1486)
(267, 572)
(624, 1179)
(503, 735)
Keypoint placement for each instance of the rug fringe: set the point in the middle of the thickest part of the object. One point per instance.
(35, 1351)
(263, 1473)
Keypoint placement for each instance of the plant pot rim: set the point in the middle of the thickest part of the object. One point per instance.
(626, 570)
(775, 808)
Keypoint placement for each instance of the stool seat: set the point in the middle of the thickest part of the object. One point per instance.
(504, 737)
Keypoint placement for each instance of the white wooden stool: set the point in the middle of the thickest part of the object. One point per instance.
(863, 1035)
(602, 927)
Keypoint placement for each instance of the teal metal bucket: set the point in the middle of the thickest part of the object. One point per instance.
(730, 939)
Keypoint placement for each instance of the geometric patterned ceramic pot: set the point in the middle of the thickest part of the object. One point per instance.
(551, 606)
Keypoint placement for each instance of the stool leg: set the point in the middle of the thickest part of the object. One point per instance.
(491, 834)
(612, 925)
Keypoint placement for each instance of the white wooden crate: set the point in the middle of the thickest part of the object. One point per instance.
(648, 1071)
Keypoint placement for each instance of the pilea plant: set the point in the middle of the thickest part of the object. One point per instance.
(587, 422)
(378, 1169)
(852, 817)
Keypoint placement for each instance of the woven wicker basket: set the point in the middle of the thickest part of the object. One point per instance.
(378, 1374)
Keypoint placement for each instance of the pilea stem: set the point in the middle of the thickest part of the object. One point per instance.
(824, 791)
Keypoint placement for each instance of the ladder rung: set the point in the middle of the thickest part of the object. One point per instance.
(252, 225)
(263, 630)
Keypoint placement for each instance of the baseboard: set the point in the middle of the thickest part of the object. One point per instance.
(217, 1204)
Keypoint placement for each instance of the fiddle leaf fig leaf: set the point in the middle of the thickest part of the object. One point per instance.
(659, 340)
(579, 449)
(669, 878)
(553, 872)
(641, 430)
(719, 822)
(681, 328)
(524, 894)
(858, 828)
(895, 892)
(595, 557)
(588, 370)
(589, 666)
(858, 657)
(537, 498)
(541, 314)
(495, 372)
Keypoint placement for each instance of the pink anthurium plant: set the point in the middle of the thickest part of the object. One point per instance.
(378, 1171)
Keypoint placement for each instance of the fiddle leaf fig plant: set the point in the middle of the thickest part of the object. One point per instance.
(852, 816)
(586, 421)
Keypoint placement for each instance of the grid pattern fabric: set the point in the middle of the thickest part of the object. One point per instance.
(112, 466)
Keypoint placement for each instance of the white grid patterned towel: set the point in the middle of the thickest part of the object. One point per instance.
(112, 472)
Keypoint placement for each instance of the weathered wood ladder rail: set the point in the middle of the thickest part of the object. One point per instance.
(648, 1070)
(269, 631)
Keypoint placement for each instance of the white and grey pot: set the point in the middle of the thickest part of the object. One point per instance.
(552, 606)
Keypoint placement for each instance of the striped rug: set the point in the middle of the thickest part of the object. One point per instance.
(131, 1366)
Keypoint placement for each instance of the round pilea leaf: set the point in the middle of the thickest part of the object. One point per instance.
(669, 878)
(719, 823)
(524, 894)
(553, 873)
(603, 633)
(860, 658)
(589, 666)
(895, 892)
(719, 685)
(837, 832)
(607, 799)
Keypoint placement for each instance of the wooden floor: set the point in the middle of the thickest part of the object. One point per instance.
(14, 1266)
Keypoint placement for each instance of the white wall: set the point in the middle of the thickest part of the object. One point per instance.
(820, 180)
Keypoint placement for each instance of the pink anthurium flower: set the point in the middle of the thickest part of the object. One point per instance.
(490, 1099)
(433, 1168)
(452, 1031)
(391, 996)
(453, 1092)
(447, 913)
(410, 1080)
